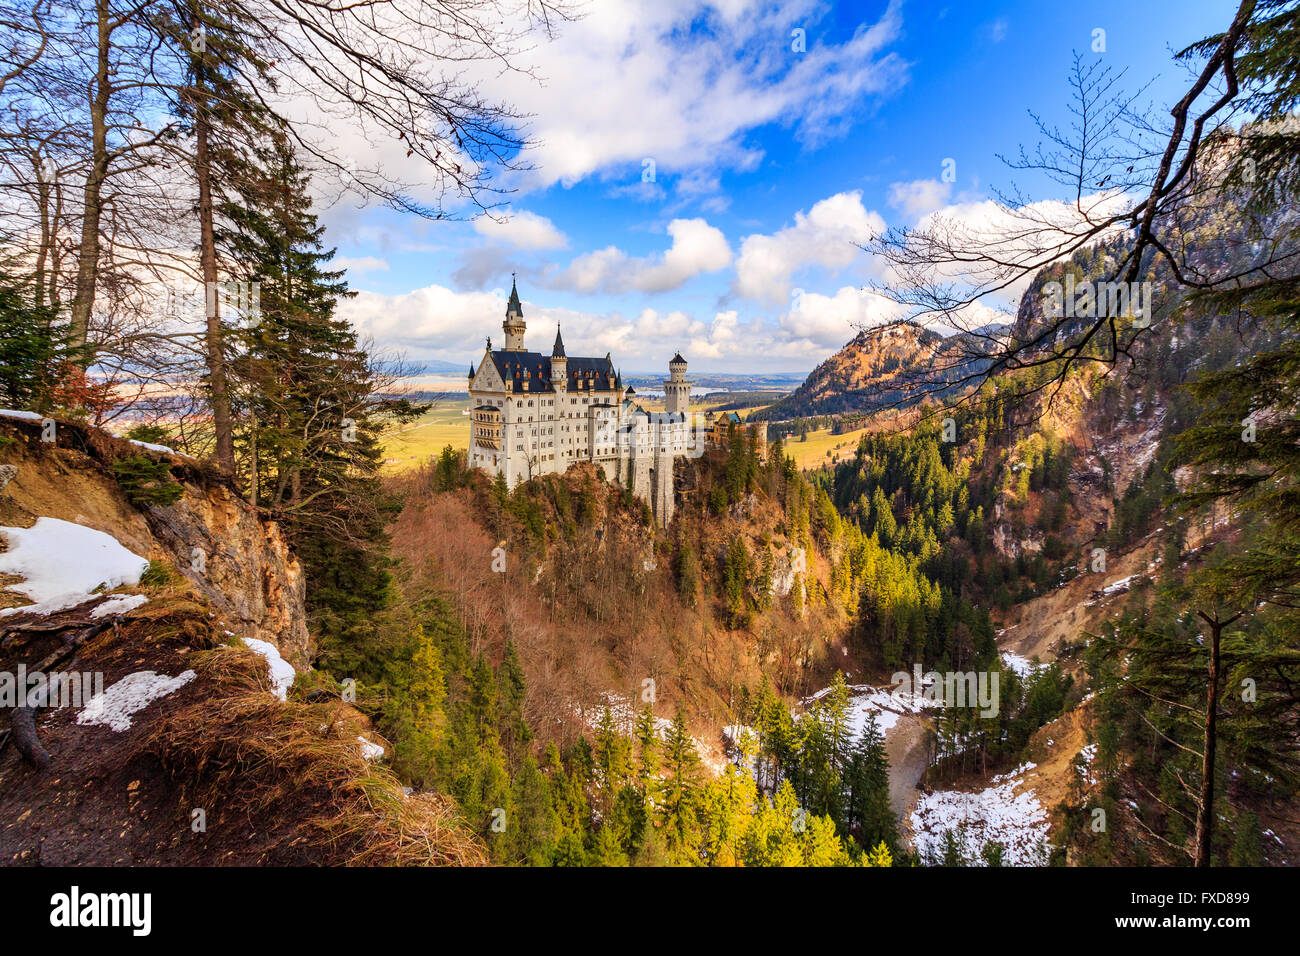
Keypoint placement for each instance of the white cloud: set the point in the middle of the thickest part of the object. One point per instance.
(919, 197)
(830, 321)
(440, 323)
(681, 82)
(427, 322)
(697, 248)
(522, 229)
(825, 236)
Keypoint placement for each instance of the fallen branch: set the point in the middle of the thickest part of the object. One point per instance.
(23, 725)
(26, 739)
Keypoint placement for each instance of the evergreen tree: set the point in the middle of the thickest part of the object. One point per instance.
(686, 569)
(612, 753)
(33, 350)
(311, 419)
(680, 764)
(647, 757)
(870, 816)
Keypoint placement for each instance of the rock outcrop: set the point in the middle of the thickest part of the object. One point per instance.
(237, 561)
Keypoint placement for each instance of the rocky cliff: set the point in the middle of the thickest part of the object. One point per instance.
(235, 560)
(158, 702)
(892, 366)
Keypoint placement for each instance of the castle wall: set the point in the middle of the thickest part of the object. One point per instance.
(543, 432)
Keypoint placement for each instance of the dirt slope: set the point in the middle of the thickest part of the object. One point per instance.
(217, 768)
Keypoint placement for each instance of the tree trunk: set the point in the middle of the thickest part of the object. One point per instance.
(88, 252)
(254, 487)
(26, 738)
(1205, 818)
(218, 386)
(46, 240)
(1205, 813)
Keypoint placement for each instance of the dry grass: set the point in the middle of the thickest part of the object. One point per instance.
(257, 758)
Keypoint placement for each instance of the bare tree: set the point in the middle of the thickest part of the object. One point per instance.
(1135, 186)
(400, 70)
(159, 102)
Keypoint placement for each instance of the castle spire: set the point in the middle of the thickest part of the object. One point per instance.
(514, 305)
(514, 326)
(558, 350)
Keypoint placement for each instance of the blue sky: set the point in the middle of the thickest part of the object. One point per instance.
(768, 162)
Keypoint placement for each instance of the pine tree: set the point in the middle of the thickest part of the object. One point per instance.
(515, 733)
(223, 120)
(311, 419)
(1245, 449)
(532, 839)
(687, 571)
(680, 763)
(612, 753)
(32, 350)
(735, 582)
(869, 813)
(648, 758)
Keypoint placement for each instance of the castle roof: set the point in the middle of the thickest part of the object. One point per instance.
(513, 305)
(535, 369)
(677, 359)
(558, 350)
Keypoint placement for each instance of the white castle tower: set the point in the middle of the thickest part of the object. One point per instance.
(559, 365)
(514, 324)
(677, 390)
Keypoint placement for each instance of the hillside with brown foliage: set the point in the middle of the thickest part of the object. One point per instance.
(597, 601)
(873, 370)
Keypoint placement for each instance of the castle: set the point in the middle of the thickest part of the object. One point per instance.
(534, 414)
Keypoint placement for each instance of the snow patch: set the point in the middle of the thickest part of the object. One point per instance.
(1020, 771)
(152, 447)
(114, 707)
(996, 814)
(623, 713)
(1086, 756)
(1120, 586)
(120, 605)
(63, 563)
(370, 751)
(1023, 666)
(282, 672)
(866, 699)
